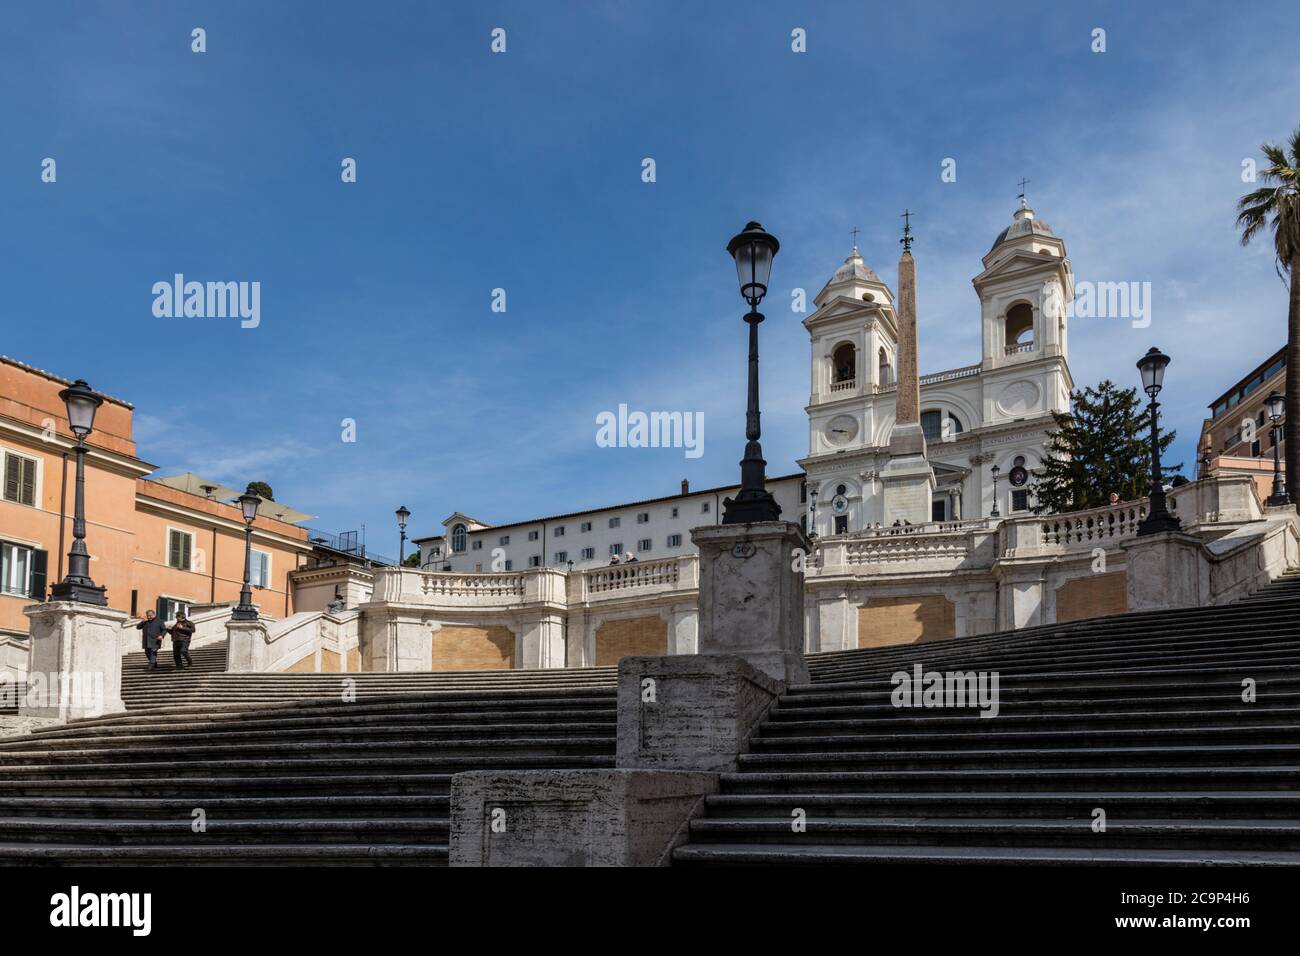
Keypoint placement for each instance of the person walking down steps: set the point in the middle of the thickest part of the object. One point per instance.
(151, 638)
(181, 633)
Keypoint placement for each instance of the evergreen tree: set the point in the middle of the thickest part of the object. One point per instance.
(261, 489)
(1101, 445)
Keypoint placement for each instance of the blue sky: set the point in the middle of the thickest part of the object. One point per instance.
(522, 171)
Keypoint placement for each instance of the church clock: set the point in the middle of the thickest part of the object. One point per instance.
(841, 429)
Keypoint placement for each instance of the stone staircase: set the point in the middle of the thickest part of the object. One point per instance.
(284, 770)
(1140, 715)
(208, 683)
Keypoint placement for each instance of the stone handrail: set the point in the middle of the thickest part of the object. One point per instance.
(639, 574)
(966, 371)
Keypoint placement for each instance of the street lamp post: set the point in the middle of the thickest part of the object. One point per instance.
(1158, 519)
(245, 611)
(1276, 404)
(402, 515)
(995, 513)
(753, 250)
(81, 403)
(812, 514)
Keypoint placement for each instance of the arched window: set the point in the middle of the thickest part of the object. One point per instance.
(458, 538)
(1020, 328)
(844, 364)
(932, 425)
(886, 373)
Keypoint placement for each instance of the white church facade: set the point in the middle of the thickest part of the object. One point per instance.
(995, 412)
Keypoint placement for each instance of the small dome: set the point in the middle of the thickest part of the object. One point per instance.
(1024, 225)
(854, 268)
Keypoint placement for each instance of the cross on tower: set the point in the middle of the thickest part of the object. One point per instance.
(855, 236)
(907, 230)
(1023, 183)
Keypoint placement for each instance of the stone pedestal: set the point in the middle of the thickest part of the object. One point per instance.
(573, 817)
(908, 479)
(76, 663)
(246, 648)
(1165, 570)
(751, 598)
(691, 712)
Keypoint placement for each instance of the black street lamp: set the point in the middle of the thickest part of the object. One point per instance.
(1158, 519)
(81, 403)
(1276, 405)
(245, 611)
(753, 251)
(402, 515)
(995, 513)
(812, 514)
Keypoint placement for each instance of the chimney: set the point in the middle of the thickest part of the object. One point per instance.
(686, 487)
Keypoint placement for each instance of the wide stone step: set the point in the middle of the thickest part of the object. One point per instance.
(838, 855)
(362, 854)
(195, 789)
(1028, 705)
(1231, 755)
(180, 753)
(281, 806)
(537, 758)
(1120, 832)
(324, 737)
(968, 720)
(999, 737)
(148, 832)
(1021, 779)
(1196, 804)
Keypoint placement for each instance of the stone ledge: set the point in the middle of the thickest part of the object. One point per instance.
(573, 817)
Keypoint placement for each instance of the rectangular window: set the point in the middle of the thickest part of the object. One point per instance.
(1020, 500)
(674, 541)
(180, 549)
(615, 522)
(503, 540)
(643, 544)
(510, 565)
(168, 608)
(616, 548)
(259, 569)
(643, 518)
(20, 479)
(477, 545)
(22, 570)
(559, 532)
(561, 557)
(841, 524)
(534, 535)
(803, 492)
(535, 561)
(704, 507)
(674, 512)
(588, 553)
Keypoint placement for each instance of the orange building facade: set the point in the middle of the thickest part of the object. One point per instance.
(152, 546)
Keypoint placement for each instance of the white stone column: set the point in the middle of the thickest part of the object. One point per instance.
(76, 661)
(542, 641)
(751, 598)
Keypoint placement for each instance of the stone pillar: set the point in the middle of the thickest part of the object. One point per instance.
(751, 598)
(542, 642)
(76, 661)
(1168, 569)
(246, 647)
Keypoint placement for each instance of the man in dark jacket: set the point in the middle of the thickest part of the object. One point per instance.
(151, 639)
(181, 633)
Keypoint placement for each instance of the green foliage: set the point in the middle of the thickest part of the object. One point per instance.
(1101, 446)
(261, 489)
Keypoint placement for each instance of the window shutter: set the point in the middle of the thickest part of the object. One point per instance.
(160, 606)
(27, 481)
(12, 463)
(40, 565)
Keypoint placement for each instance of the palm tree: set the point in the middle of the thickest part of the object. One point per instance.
(1280, 199)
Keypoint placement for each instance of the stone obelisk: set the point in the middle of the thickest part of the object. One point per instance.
(908, 478)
